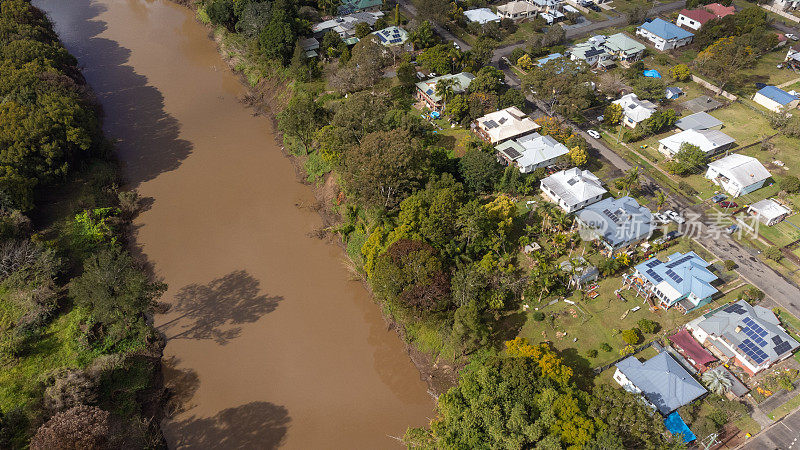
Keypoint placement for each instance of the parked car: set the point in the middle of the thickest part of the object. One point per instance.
(726, 204)
(791, 36)
(674, 216)
(673, 234)
(661, 218)
(594, 7)
(731, 229)
(718, 198)
(458, 47)
(593, 134)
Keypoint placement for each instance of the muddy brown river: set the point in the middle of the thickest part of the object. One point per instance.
(269, 341)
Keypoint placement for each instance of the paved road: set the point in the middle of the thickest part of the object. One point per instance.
(411, 11)
(783, 434)
(574, 33)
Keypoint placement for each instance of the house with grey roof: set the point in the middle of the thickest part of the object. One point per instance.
(768, 211)
(531, 152)
(616, 222)
(517, 10)
(702, 103)
(573, 189)
(749, 336)
(699, 121)
(662, 381)
(737, 174)
(683, 280)
(481, 16)
(426, 90)
(345, 26)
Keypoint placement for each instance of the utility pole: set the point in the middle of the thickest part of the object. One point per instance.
(710, 441)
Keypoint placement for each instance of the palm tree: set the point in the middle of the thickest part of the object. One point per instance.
(716, 381)
(630, 178)
(446, 87)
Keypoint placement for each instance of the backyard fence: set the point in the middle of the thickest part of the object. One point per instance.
(711, 87)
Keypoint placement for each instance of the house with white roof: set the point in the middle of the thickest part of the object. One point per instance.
(635, 111)
(749, 336)
(664, 35)
(737, 174)
(776, 99)
(426, 90)
(768, 211)
(616, 222)
(548, 5)
(531, 152)
(345, 26)
(517, 10)
(481, 16)
(683, 280)
(503, 125)
(709, 141)
(392, 36)
(573, 189)
(661, 380)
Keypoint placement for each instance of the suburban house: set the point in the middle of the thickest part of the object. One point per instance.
(737, 174)
(691, 350)
(768, 211)
(664, 35)
(310, 47)
(694, 18)
(784, 5)
(699, 121)
(481, 16)
(617, 222)
(573, 189)
(662, 381)
(392, 36)
(531, 152)
(548, 5)
(792, 59)
(623, 47)
(517, 10)
(552, 16)
(592, 52)
(683, 280)
(672, 92)
(581, 272)
(775, 99)
(709, 141)
(345, 26)
(702, 103)
(503, 125)
(720, 10)
(426, 90)
(635, 111)
(351, 6)
(749, 336)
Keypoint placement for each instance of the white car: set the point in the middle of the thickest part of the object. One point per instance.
(593, 134)
(791, 36)
(458, 47)
(661, 218)
(674, 216)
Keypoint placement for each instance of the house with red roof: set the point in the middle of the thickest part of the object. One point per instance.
(696, 18)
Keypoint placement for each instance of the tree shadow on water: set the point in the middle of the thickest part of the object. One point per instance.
(255, 425)
(214, 310)
(180, 383)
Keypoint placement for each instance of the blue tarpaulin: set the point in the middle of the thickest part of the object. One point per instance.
(652, 73)
(435, 114)
(675, 424)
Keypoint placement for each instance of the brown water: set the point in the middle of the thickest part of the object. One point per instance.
(268, 341)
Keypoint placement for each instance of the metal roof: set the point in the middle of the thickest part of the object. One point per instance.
(663, 381)
(777, 94)
(665, 30)
(698, 121)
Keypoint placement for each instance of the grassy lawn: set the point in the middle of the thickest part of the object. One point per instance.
(785, 408)
(589, 323)
(524, 32)
(748, 425)
(454, 139)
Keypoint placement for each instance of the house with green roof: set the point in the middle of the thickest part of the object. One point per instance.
(426, 90)
(351, 6)
(625, 48)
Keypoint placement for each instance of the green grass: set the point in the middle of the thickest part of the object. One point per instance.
(785, 408)
(747, 425)
(57, 348)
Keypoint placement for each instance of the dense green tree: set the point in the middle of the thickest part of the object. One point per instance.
(363, 69)
(790, 184)
(254, 17)
(647, 88)
(562, 84)
(488, 79)
(300, 119)
(221, 12)
(480, 170)
(626, 418)
(362, 30)
(385, 168)
(423, 36)
(441, 59)
(406, 74)
(277, 39)
(689, 159)
(512, 97)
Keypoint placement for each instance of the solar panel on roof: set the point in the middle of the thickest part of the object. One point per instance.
(656, 277)
(735, 309)
(653, 263)
(675, 277)
(783, 347)
(776, 340)
(679, 261)
(490, 124)
(513, 154)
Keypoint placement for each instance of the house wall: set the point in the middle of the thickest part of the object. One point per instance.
(626, 384)
(751, 188)
(684, 21)
(730, 186)
(660, 43)
(772, 105)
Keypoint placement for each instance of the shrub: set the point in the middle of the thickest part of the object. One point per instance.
(81, 427)
(687, 188)
(790, 184)
(729, 264)
(627, 350)
(538, 316)
(773, 253)
(680, 72)
(632, 336)
(605, 347)
(648, 326)
(592, 353)
(71, 389)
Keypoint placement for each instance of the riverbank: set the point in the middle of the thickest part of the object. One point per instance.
(268, 97)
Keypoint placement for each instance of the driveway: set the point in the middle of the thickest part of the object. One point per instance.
(783, 434)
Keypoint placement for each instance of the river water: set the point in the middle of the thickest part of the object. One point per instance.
(269, 341)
